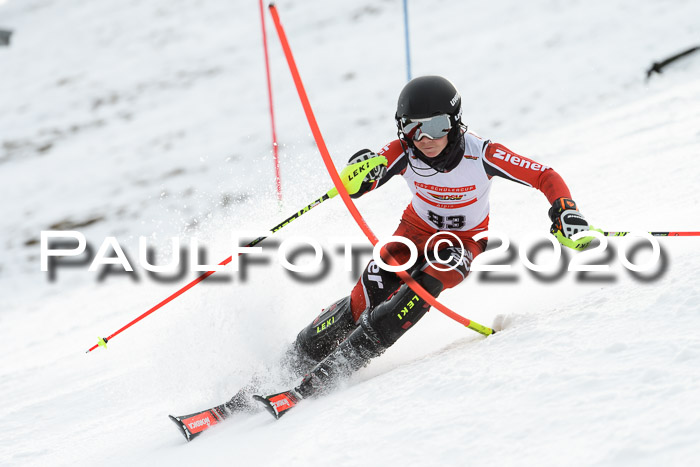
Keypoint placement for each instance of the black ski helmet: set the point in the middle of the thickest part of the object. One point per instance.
(428, 96)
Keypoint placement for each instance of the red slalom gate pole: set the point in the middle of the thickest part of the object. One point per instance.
(275, 146)
(343, 192)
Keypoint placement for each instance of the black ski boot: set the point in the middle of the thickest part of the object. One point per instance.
(379, 329)
(353, 353)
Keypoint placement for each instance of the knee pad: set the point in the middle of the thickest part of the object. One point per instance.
(325, 332)
(450, 265)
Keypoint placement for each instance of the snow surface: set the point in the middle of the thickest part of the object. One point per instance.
(150, 119)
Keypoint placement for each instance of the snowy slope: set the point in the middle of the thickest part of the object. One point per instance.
(151, 120)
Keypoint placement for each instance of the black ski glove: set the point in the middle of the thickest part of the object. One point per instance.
(567, 221)
(373, 176)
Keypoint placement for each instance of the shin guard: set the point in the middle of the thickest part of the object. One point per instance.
(321, 336)
(353, 353)
(379, 329)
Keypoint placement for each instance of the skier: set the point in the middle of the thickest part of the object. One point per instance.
(449, 170)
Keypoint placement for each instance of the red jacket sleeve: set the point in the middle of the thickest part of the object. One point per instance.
(499, 161)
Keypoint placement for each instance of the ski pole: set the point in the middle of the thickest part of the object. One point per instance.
(655, 234)
(102, 342)
(352, 177)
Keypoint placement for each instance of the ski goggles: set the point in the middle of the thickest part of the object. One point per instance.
(432, 127)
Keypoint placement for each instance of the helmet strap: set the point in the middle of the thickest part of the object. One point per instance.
(405, 145)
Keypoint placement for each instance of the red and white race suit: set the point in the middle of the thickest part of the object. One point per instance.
(456, 201)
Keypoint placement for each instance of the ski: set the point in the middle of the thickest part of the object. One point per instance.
(192, 425)
(280, 403)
